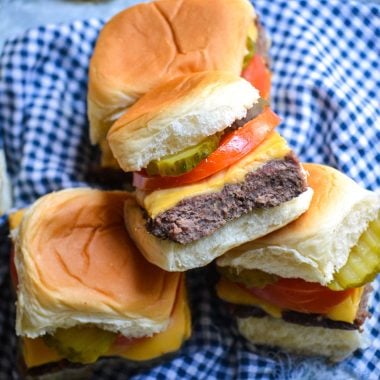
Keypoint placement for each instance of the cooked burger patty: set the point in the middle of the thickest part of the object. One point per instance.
(307, 319)
(304, 319)
(252, 112)
(274, 183)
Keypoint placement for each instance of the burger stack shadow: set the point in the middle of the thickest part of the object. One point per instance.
(98, 273)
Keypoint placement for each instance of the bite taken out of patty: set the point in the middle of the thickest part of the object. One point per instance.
(276, 182)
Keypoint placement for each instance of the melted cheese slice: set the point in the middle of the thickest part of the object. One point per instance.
(15, 219)
(37, 353)
(170, 340)
(233, 293)
(156, 202)
(345, 311)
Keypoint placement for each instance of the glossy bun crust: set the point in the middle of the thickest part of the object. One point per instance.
(151, 43)
(76, 264)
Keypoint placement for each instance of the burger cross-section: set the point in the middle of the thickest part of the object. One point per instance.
(248, 185)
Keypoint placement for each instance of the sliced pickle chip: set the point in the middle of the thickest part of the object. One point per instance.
(250, 44)
(251, 278)
(184, 161)
(83, 344)
(250, 52)
(363, 263)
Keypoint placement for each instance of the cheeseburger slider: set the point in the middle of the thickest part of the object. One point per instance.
(209, 169)
(84, 291)
(305, 287)
(151, 43)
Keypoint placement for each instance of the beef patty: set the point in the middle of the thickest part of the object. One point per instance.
(274, 183)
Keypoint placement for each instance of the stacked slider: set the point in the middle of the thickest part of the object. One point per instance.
(151, 43)
(305, 287)
(211, 173)
(84, 292)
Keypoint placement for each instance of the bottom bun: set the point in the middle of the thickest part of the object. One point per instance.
(173, 256)
(335, 344)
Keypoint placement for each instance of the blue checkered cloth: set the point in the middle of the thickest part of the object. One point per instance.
(326, 85)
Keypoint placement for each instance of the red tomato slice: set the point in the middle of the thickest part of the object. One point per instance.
(258, 74)
(300, 295)
(232, 148)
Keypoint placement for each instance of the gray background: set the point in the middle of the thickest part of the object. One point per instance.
(19, 15)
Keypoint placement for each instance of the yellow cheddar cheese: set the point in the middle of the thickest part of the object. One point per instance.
(37, 353)
(156, 202)
(348, 308)
(15, 219)
(169, 340)
(345, 311)
(233, 293)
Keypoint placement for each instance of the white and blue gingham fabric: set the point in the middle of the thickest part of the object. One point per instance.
(326, 87)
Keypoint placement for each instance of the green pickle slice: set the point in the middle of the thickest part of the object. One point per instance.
(251, 52)
(184, 161)
(251, 278)
(83, 344)
(363, 263)
(250, 45)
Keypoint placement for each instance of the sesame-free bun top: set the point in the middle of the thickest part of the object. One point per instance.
(76, 264)
(178, 114)
(318, 243)
(151, 43)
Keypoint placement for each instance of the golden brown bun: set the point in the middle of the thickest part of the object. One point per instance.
(318, 243)
(151, 43)
(76, 264)
(179, 114)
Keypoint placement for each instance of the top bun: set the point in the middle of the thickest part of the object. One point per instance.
(179, 114)
(151, 43)
(76, 264)
(317, 244)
